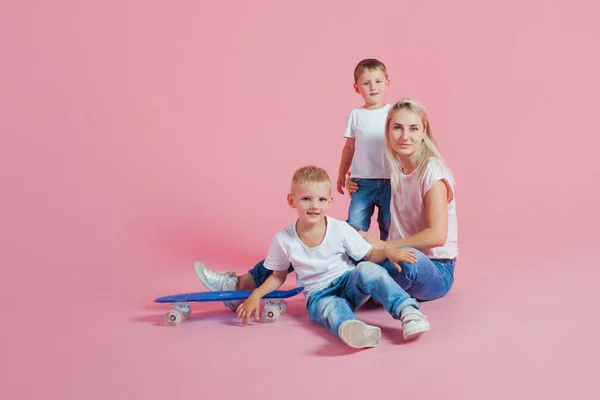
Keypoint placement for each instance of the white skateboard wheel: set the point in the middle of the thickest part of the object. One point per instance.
(173, 317)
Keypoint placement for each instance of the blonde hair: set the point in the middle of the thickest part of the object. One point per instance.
(429, 148)
(368, 64)
(310, 174)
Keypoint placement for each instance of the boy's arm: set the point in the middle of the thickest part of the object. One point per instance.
(394, 255)
(376, 255)
(272, 283)
(345, 163)
(252, 303)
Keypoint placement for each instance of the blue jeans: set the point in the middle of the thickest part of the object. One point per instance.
(337, 302)
(424, 280)
(371, 193)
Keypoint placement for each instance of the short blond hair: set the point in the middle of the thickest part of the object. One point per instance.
(310, 174)
(369, 64)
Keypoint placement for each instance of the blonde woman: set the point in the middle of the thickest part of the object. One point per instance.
(423, 205)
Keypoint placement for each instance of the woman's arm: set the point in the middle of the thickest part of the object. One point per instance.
(436, 214)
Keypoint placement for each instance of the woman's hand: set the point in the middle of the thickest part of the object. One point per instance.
(373, 240)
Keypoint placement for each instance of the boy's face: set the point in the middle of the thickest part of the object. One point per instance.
(311, 201)
(372, 85)
(406, 132)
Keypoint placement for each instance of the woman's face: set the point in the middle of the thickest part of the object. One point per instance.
(406, 133)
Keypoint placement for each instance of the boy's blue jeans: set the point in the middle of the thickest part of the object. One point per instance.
(424, 280)
(371, 193)
(337, 302)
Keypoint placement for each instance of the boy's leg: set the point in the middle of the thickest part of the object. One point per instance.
(225, 280)
(259, 275)
(384, 216)
(362, 204)
(425, 279)
(369, 279)
(325, 307)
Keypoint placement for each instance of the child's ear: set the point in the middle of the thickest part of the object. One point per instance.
(356, 88)
(290, 200)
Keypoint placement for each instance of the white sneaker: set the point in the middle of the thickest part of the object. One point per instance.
(217, 281)
(357, 334)
(413, 322)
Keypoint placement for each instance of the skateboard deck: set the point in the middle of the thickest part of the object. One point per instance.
(225, 295)
(274, 303)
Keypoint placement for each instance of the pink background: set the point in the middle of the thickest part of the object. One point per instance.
(140, 136)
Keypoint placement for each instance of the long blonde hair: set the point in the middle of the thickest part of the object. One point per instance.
(428, 149)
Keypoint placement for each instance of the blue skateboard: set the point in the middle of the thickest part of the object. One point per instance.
(274, 303)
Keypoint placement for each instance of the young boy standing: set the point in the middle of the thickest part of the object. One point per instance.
(364, 150)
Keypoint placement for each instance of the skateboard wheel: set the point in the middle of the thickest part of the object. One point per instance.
(283, 305)
(273, 311)
(173, 317)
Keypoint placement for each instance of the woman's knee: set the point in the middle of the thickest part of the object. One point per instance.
(411, 268)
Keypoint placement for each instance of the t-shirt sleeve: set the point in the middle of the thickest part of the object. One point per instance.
(356, 246)
(277, 258)
(435, 172)
(350, 126)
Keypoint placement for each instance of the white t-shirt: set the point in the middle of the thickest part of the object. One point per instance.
(367, 127)
(408, 208)
(316, 267)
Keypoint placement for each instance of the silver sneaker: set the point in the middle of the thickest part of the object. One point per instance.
(217, 281)
(357, 334)
(413, 322)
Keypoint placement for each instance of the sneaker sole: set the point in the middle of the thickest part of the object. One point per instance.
(359, 335)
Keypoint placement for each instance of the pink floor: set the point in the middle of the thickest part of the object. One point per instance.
(505, 331)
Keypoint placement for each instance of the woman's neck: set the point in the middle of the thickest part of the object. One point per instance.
(409, 164)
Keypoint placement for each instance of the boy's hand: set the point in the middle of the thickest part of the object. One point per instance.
(351, 186)
(340, 184)
(341, 181)
(251, 305)
(373, 240)
(396, 256)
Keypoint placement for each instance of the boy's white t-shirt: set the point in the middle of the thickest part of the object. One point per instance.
(367, 128)
(316, 267)
(408, 208)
